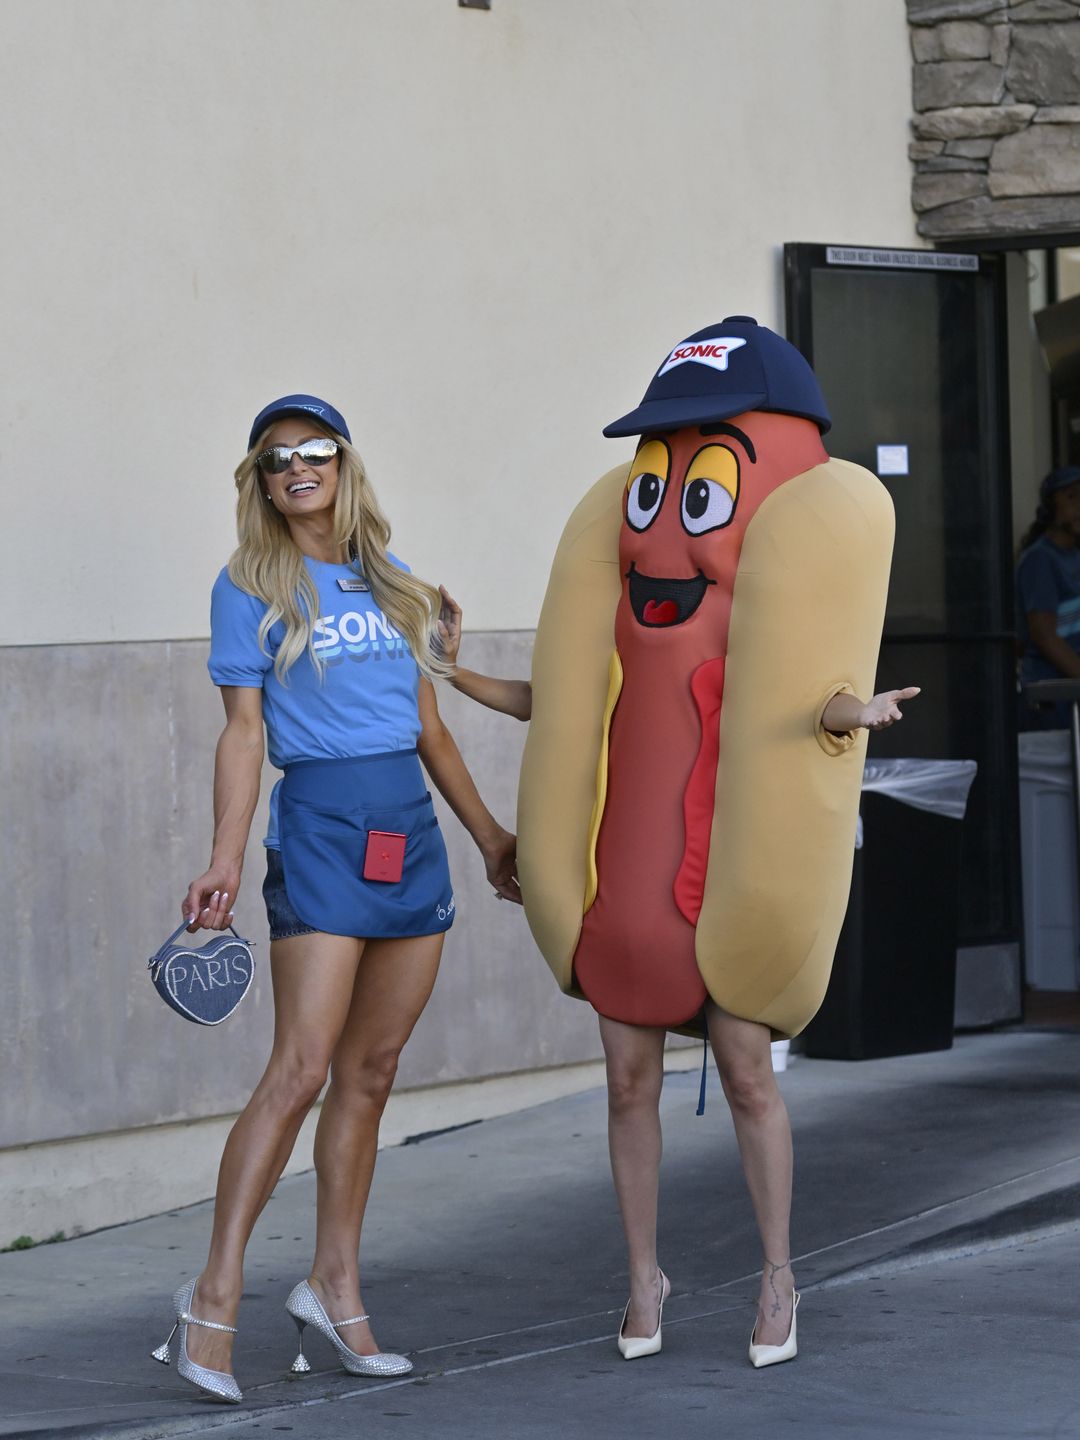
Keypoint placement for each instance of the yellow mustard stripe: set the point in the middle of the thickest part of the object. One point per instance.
(615, 682)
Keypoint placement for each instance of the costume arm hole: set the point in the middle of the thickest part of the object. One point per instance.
(830, 743)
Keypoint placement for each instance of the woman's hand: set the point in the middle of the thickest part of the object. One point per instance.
(211, 898)
(884, 709)
(449, 626)
(509, 697)
(500, 861)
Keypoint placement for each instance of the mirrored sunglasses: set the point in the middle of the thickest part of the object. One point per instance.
(276, 459)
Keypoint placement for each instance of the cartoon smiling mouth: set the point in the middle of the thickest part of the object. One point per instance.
(656, 602)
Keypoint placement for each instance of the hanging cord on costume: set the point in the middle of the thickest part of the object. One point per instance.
(704, 1066)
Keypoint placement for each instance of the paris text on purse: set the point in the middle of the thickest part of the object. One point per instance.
(205, 984)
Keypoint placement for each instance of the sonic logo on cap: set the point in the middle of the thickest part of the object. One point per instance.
(705, 352)
(299, 405)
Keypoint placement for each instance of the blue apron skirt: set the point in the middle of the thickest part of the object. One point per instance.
(327, 808)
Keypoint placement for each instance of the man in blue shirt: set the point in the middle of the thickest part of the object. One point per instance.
(1048, 588)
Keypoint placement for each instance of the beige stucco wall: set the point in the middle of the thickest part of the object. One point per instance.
(474, 231)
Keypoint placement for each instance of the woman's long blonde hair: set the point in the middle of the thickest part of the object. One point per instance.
(268, 564)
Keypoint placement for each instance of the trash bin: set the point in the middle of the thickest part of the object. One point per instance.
(893, 984)
(1048, 860)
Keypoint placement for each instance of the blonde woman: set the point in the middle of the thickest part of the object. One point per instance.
(323, 638)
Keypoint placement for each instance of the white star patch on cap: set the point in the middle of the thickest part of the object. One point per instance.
(712, 352)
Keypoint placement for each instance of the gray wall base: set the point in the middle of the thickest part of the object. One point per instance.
(107, 753)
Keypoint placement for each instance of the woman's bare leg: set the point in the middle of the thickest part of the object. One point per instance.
(313, 978)
(635, 1077)
(744, 1060)
(392, 986)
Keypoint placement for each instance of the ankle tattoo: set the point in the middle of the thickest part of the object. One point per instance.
(771, 1271)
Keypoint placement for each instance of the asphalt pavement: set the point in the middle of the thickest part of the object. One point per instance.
(937, 1224)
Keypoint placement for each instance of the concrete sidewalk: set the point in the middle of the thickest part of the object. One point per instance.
(937, 1213)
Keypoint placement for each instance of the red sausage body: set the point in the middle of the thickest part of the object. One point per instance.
(635, 959)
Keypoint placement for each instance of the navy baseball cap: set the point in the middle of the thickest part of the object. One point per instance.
(1059, 480)
(299, 405)
(721, 371)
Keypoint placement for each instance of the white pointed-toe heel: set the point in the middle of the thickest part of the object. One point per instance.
(761, 1355)
(633, 1347)
(306, 1308)
(213, 1382)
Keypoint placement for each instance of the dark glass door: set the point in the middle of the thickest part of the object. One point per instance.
(910, 351)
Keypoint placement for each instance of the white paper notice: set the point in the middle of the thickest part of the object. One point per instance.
(892, 460)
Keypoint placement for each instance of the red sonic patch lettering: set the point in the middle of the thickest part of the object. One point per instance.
(713, 353)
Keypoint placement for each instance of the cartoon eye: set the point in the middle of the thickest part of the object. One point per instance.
(706, 505)
(643, 501)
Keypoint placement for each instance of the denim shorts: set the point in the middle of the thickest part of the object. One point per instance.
(282, 918)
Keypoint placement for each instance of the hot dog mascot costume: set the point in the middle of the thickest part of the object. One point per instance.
(686, 824)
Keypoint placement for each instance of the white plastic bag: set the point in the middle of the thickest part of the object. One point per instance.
(940, 786)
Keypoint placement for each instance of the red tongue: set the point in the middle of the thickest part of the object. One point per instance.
(666, 612)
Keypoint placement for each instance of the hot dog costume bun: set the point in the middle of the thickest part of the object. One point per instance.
(561, 765)
(686, 826)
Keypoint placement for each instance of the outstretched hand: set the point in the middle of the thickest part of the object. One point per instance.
(884, 709)
(449, 625)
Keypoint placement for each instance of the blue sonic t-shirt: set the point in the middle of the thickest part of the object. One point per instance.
(364, 703)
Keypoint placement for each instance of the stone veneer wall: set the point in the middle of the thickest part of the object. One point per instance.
(996, 90)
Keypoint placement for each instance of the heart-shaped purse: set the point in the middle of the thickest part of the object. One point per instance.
(203, 985)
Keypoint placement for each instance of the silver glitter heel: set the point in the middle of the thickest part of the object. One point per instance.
(306, 1309)
(213, 1382)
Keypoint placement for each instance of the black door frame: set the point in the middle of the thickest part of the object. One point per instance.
(988, 262)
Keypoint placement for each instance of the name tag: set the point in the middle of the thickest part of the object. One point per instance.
(352, 586)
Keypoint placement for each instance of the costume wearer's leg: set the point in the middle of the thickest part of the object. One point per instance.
(313, 978)
(744, 1060)
(392, 986)
(635, 1077)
